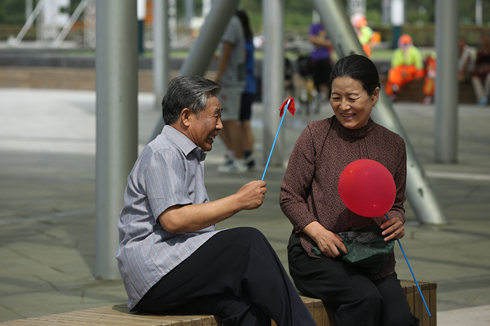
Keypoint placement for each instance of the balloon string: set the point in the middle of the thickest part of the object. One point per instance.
(413, 275)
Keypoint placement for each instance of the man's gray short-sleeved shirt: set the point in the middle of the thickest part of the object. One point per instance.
(168, 172)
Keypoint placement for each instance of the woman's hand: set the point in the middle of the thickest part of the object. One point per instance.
(329, 243)
(393, 229)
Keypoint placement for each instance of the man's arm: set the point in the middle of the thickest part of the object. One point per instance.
(189, 218)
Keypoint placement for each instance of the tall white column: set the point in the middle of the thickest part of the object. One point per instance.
(273, 77)
(116, 76)
(446, 93)
(161, 54)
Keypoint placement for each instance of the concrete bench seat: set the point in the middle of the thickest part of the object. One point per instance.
(119, 315)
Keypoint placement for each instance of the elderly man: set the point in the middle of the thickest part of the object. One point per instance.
(171, 257)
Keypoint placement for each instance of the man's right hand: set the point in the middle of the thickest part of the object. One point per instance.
(252, 194)
(190, 218)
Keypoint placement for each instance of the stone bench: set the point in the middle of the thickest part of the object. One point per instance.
(119, 315)
(429, 290)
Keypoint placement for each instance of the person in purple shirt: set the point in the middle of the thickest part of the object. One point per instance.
(321, 58)
(171, 258)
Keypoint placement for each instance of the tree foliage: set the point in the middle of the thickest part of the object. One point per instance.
(12, 11)
(297, 14)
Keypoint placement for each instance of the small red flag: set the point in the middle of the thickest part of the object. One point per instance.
(291, 107)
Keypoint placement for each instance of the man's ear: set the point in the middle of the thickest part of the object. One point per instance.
(185, 117)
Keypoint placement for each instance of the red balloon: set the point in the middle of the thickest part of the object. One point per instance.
(367, 188)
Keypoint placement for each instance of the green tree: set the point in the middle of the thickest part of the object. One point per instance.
(12, 12)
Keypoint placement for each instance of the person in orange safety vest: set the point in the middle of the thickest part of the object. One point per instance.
(367, 37)
(406, 65)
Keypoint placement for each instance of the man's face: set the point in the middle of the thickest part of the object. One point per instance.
(206, 125)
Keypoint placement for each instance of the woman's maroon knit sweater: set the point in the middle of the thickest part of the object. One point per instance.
(309, 190)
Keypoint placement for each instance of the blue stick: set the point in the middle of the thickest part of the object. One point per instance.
(275, 139)
(413, 275)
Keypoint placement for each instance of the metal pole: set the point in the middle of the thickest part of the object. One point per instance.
(116, 122)
(202, 50)
(419, 192)
(28, 8)
(212, 30)
(446, 97)
(69, 24)
(206, 7)
(161, 54)
(397, 11)
(28, 24)
(478, 12)
(385, 12)
(273, 76)
(172, 21)
(189, 12)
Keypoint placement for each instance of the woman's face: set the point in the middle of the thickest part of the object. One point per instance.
(351, 103)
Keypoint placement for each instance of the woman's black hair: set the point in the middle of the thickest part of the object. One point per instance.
(190, 92)
(357, 67)
(242, 15)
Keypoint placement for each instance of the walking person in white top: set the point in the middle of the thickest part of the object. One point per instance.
(231, 76)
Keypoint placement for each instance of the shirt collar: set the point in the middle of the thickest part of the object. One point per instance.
(186, 145)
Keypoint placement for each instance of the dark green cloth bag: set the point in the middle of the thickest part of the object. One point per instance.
(366, 248)
(367, 251)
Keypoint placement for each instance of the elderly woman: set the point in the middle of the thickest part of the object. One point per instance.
(310, 199)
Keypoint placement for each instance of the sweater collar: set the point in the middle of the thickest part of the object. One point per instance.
(351, 134)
